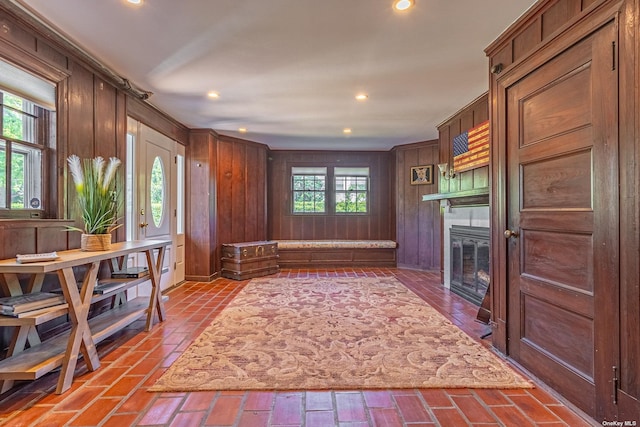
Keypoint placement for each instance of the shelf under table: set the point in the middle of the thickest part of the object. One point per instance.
(36, 361)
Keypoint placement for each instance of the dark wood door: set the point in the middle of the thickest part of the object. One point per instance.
(562, 168)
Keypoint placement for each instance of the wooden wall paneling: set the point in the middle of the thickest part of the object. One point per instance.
(15, 33)
(81, 113)
(57, 162)
(105, 119)
(429, 218)
(157, 120)
(558, 15)
(469, 116)
(587, 3)
(393, 192)
(32, 236)
(481, 177)
(199, 191)
(465, 180)
(274, 228)
(225, 193)
(80, 132)
(51, 55)
(502, 58)
(21, 33)
(629, 47)
(411, 239)
(386, 222)
(227, 231)
(241, 204)
(52, 237)
(253, 194)
(527, 39)
(284, 225)
(455, 129)
(16, 240)
(260, 190)
(238, 200)
(121, 146)
(534, 27)
(418, 222)
(213, 195)
(481, 111)
(402, 183)
(444, 136)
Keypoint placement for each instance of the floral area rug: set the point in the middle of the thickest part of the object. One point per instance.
(331, 334)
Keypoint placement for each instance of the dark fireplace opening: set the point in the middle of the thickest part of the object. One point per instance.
(469, 265)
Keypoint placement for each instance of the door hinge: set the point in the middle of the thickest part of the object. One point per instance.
(175, 266)
(175, 159)
(614, 382)
(613, 56)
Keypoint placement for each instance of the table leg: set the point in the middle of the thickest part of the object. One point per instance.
(18, 343)
(80, 339)
(22, 334)
(155, 273)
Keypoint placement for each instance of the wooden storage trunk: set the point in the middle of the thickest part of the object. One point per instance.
(246, 260)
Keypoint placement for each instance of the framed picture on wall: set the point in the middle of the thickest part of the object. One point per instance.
(422, 175)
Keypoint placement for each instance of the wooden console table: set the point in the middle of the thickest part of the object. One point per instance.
(64, 350)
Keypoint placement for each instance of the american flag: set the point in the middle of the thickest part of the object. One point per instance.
(471, 148)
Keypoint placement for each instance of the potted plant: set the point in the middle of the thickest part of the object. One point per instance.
(98, 200)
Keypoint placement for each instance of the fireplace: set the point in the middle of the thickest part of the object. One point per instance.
(469, 266)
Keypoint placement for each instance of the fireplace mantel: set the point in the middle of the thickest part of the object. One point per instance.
(475, 197)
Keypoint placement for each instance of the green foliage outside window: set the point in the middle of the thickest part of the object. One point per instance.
(20, 154)
(309, 194)
(351, 194)
(12, 127)
(12, 119)
(157, 191)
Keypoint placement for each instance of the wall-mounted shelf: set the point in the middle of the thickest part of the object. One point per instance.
(475, 197)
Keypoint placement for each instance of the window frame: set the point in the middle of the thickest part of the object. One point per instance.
(42, 133)
(305, 171)
(366, 191)
(330, 190)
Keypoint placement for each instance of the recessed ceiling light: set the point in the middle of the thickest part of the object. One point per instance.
(242, 130)
(213, 95)
(346, 130)
(403, 4)
(135, 1)
(362, 96)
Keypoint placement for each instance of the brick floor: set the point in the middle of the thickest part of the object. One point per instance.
(131, 361)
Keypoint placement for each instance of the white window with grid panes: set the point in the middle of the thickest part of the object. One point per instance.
(27, 127)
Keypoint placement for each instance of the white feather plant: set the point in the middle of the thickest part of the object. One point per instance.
(98, 198)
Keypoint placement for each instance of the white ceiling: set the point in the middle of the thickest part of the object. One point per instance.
(288, 70)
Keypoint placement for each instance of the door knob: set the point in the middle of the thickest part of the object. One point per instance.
(143, 224)
(510, 233)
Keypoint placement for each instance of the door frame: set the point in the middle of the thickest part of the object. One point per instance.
(132, 218)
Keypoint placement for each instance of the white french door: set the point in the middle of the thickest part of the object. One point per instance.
(155, 196)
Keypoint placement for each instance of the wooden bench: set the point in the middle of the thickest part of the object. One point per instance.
(336, 253)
